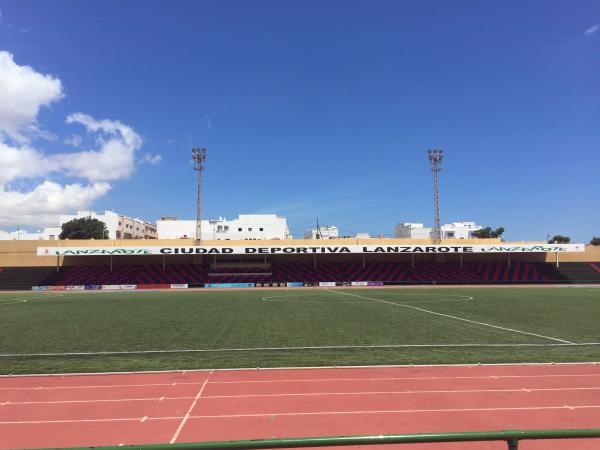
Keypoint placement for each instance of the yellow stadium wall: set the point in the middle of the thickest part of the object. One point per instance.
(23, 253)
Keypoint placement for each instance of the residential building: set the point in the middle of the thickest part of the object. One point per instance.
(118, 225)
(245, 227)
(455, 230)
(324, 232)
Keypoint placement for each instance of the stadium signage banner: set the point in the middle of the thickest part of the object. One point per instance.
(313, 249)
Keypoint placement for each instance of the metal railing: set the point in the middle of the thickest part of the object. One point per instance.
(511, 437)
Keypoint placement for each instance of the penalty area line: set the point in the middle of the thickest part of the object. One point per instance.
(404, 305)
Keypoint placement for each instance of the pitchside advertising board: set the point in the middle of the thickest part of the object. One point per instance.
(313, 249)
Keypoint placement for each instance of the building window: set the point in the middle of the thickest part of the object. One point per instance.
(239, 229)
(249, 229)
(219, 228)
(261, 229)
(226, 227)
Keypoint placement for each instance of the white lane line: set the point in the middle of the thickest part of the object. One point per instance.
(474, 377)
(322, 347)
(109, 386)
(306, 394)
(300, 380)
(408, 392)
(116, 400)
(403, 305)
(400, 411)
(189, 411)
(314, 413)
(124, 419)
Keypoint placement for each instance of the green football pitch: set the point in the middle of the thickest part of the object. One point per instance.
(126, 331)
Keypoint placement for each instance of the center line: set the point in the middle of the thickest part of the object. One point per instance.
(189, 411)
(403, 305)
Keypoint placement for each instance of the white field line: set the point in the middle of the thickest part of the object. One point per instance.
(311, 368)
(189, 411)
(453, 317)
(460, 298)
(307, 394)
(13, 301)
(323, 413)
(316, 347)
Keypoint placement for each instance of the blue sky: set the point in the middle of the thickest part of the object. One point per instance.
(322, 109)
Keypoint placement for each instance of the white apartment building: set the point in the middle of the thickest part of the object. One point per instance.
(246, 227)
(118, 225)
(327, 232)
(455, 230)
(409, 230)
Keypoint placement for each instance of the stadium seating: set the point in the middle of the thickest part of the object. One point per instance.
(420, 273)
(438, 272)
(240, 274)
(580, 272)
(150, 274)
(17, 278)
(500, 272)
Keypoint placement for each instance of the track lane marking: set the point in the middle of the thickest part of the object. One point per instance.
(306, 394)
(465, 377)
(310, 380)
(403, 305)
(189, 411)
(392, 411)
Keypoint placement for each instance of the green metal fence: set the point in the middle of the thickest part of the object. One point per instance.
(511, 437)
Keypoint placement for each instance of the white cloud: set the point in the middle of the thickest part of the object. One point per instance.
(593, 29)
(23, 91)
(46, 202)
(38, 200)
(74, 140)
(114, 159)
(149, 158)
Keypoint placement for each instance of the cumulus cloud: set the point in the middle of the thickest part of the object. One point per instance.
(46, 202)
(23, 91)
(86, 173)
(593, 29)
(149, 158)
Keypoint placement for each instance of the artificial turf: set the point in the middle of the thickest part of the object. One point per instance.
(260, 328)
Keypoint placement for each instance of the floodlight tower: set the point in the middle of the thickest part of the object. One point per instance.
(435, 160)
(198, 158)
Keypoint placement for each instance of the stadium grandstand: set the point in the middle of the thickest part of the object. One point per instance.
(162, 263)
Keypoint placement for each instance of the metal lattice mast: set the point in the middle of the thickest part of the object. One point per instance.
(198, 158)
(435, 160)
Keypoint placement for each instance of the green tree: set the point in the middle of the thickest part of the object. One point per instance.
(84, 228)
(595, 241)
(487, 232)
(559, 239)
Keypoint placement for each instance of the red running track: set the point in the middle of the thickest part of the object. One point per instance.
(151, 408)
